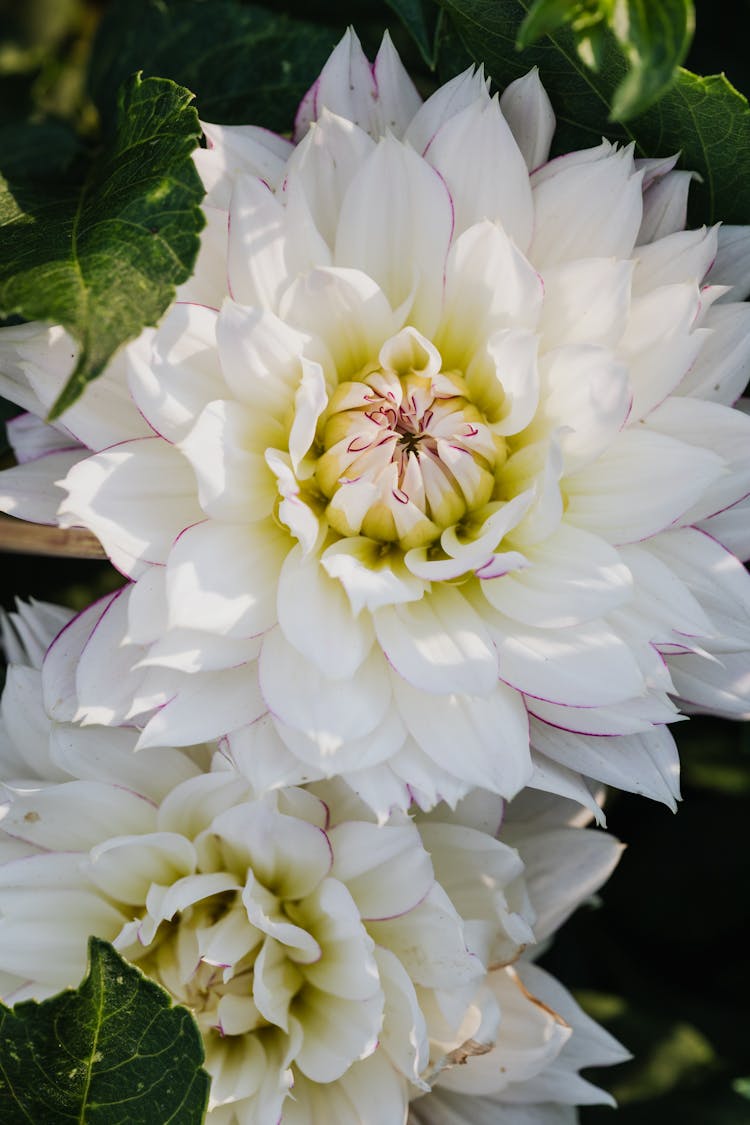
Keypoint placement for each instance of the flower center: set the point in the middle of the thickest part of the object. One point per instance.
(406, 453)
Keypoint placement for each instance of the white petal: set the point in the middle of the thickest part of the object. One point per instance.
(106, 676)
(732, 263)
(369, 578)
(445, 103)
(257, 261)
(571, 577)
(583, 666)
(661, 343)
(586, 301)
(59, 667)
(683, 256)
(716, 578)
(345, 86)
(346, 309)
(403, 1036)
(76, 815)
(429, 943)
(223, 577)
(665, 206)
(208, 284)
(489, 286)
(562, 869)
(32, 491)
(174, 372)
(103, 416)
(337, 1032)
(136, 498)
(639, 486)
(235, 150)
(318, 706)
(708, 425)
(323, 165)
(528, 111)
(587, 205)
(208, 705)
(483, 740)
(719, 686)
(226, 449)
(31, 438)
(732, 529)
(386, 869)
(397, 99)
(260, 357)
(722, 369)
(395, 224)
(485, 172)
(631, 717)
(644, 763)
(585, 400)
(316, 617)
(438, 644)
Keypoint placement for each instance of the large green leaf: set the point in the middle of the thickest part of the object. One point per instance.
(704, 118)
(103, 255)
(113, 1052)
(245, 64)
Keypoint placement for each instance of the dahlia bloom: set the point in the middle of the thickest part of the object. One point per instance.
(431, 478)
(337, 967)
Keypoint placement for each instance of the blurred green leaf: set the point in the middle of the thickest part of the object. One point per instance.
(654, 38)
(705, 118)
(653, 35)
(113, 1052)
(245, 64)
(103, 255)
(742, 1086)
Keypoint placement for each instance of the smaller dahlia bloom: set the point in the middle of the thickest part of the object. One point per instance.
(336, 966)
(431, 478)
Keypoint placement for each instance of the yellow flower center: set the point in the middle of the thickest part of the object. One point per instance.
(406, 453)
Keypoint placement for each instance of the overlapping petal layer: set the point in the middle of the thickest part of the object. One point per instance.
(430, 433)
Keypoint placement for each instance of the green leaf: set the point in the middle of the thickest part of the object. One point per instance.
(113, 1052)
(704, 118)
(102, 256)
(245, 64)
(742, 1086)
(654, 38)
(420, 20)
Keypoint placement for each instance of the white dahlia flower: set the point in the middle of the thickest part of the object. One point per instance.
(336, 967)
(431, 478)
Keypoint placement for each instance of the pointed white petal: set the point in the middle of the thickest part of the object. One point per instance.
(33, 491)
(528, 111)
(586, 205)
(477, 156)
(396, 218)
